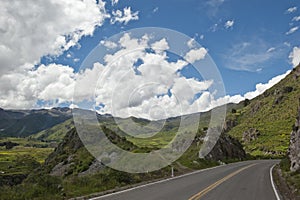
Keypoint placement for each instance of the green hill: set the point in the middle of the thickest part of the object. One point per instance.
(264, 123)
(55, 133)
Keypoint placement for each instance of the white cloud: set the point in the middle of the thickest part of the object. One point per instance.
(76, 59)
(292, 30)
(291, 9)
(31, 29)
(191, 43)
(114, 2)
(161, 45)
(109, 44)
(297, 18)
(271, 49)
(295, 56)
(195, 54)
(146, 94)
(229, 24)
(202, 37)
(262, 87)
(47, 83)
(157, 91)
(125, 16)
(155, 9)
(259, 89)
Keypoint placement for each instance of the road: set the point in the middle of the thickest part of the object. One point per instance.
(248, 180)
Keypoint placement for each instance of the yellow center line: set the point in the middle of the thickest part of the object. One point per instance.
(216, 184)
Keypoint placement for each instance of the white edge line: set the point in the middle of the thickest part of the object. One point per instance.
(153, 183)
(273, 185)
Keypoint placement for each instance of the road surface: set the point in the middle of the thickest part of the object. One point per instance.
(248, 180)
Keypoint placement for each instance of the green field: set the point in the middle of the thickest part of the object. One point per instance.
(20, 158)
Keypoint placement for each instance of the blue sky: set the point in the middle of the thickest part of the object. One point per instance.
(43, 44)
(262, 25)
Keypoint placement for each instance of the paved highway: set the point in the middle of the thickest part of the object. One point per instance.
(248, 180)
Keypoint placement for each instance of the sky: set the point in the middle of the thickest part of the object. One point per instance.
(46, 45)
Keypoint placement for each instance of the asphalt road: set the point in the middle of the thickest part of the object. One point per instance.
(248, 180)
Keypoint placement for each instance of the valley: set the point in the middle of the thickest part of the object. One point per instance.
(48, 160)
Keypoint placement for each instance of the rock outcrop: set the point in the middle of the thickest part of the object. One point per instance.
(294, 148)
(227, 148)
(250, 135)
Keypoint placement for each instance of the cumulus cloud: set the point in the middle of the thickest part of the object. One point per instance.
(155, 89)
(292, 30)
(31, 29)
(108, 44)
(124, 16)
(291, 9)
(195, 54)
(161, 45)
(297, 18)
(54, 83)
(229, 24)
(191, 43)
(295, 56)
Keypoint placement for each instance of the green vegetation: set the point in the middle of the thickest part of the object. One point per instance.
(55, 133)
(263, 125)
(291, 185)
(17, 162)
(272, 114)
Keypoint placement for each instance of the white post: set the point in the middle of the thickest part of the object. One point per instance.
(172, 171)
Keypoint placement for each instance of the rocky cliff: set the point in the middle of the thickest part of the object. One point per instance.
(294, 148)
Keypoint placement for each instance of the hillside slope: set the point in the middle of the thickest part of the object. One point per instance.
(55, 133)
(263, 124)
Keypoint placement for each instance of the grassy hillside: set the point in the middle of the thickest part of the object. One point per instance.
(55, 133)
(268, 118)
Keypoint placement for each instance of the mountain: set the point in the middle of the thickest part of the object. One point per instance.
(22, 123)
(263, 124)
(55, 133)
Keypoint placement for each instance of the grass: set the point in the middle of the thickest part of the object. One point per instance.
(292, 179)
(272, 114)
(11, 159)
(55, 133)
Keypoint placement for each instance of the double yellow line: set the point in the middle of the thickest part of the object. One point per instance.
(216, 184)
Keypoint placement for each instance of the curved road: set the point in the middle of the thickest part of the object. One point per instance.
(248, 180)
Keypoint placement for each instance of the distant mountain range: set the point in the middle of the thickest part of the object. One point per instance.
(22, 123)
(262, 125)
